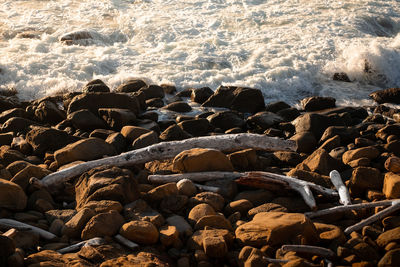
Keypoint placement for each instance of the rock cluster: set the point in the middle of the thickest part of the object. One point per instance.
(218, 223)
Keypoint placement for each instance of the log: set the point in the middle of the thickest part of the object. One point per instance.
(314, 250)
(90, 242)
(377, 216)
(338, 209)
(126, 242)
(344, 194)
(208, 188)
(193, 176)
(228, 142)
(16, 224)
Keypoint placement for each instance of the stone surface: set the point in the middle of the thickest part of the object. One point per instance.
(133, 132)
(200, 95)
(169, 235)
(369, 152)
(274, 228)
(75, 225)
(22, 177)
(391, 185)
(315, 103)
(141, 259)
(200, 159)
(391, 258)
(12, 196)
(139, 210)
(174, 133)
(216, 221)
(141, 232)
(263, 120)
(146, 139)
(364, 178)
(312, 122)
(242, 206)
(305, 142)
(199, 211)
(321, 162)
(103, 206)
(196, 127)
(215, 200)
(181, 224)
(391, 95)
(266, 207)
(392, 164)
(103, 224)
(226, 120)
(160, 192)
(329, 233)
(48, 112)
(186, 187)
(130, 86)
(178, 106)
(85, 120)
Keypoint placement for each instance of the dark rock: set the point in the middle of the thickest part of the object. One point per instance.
(7, 103)
(118, 141)
(185, 93)
(103, 224)
(96, 86)
(149, 125)
(247, 100)
(200, 95)
(131, 86)
(226, 120)
(276, 106)
(7, 248)
(305, 142)
(153, 91)
(85, 120)
(155, 102)
(12, 196)
(321, 162)
(222, 97)
(173, 133)
(168, 88)
(317, 103)
(179, 106)
(8, 155)
(312, 122)
(146, 139)
(101, 133)
(391, 258)
(346, 134)
(385, 132)
(364, 178)
(263, 120)
(341, 76)
(196, 127)
(117, 118)
(15, 112)
(48, 112)
(391, 95)
(17, 124)
(289, 114)
(133, 132)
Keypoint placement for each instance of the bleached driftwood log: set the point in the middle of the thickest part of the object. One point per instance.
(313, 250)
(344, 194)
(16, 224)
(377, 216)
(337, 209)
(193, 176)
(90, 242)
(126, 242)
(166, 150)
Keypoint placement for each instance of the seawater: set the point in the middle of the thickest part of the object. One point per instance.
(287, 48)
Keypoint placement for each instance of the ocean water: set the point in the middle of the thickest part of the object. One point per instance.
(287, 48)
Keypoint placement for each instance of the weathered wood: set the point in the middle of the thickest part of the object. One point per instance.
(377, 216)
(16, 224)
(314, 250)
(337, 209)
(193, 176)
(90, 242)
(126, 242)
(166, 150)
(344, 194)
(208, 188)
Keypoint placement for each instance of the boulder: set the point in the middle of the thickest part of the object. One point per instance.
(17, 124)
(118, 141)
(85, 120)
(86, 149)
(305, 142)
(263, 120)
(329, 233)
(7, 103)
(12, 196)
(391, 185)
(103, 224)
(346, 134)
(48, 112)
(200, 95)
(215, 221)
(130, 86)
(181, 224)
(8, 155)
(169, 235)
(215, 246)
(117, 118)
(6, 138)
(391, 258)
(266, 207)
(276, 106)
(140, 259)
(321, 162)
(178, 106)
(222, 97)
(388, 130)
(22, 177)
(139, 210)
(312, 122)
(241, 205)
(364, 178)
(64, 215)
(133, 132)
(392, 164)
(196, 241)
(244, 159)
(214, 199)
(7, 249)
(146, 139)
(174, 133)
(101, 206)
(289, 114)
(226, 120)
(312, 177)
(196, 127)
(277, 228)
(186, 187)
(341, 76)
(142, 232)
(157, 194)
(199, 211)
(199, 159)
(388, 236)
(96, 86)
(369, 152)
(153, 91)
(155, 102)
(247, 100)
(75, 225)
(315, 103)
(391, 95)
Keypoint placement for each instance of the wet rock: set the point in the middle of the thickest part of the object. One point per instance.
(131, 86)
(103, 224)
(341, 76)
(139, 210)
(247, 100)
(85, 120)
(75, 225)
(12, 196)
(364, 178)
(222, 97)
(276, 106)
(179, 106)
(87, 149)
(117, 118)
(369, 152)
(146, 139)
(321, 162)
(315, 103)
(48, 139)
(17, 124)
(211, 198)
(199, 211)
(96, 86)
(391, 95)
(82, 37)
(196, 127)
(200, 95)
(106, 184)
(226, 120)
(96, 101)
(274, 228)
(155, 102)
(288, 114)
(199, 159)
(305, 142)
(263, 120)
(391, 185)
(141, 232)
(7, 103)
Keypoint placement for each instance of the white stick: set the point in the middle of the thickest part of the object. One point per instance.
(208, 188)
(314, 250)
(377, 216)
(344, 194)
(194, 176)
(307, 195)
(337, 209)
(126, 242)
(16, 224)
(165, 150)
(90, 242)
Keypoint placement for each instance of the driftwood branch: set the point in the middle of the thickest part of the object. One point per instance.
(19, 225)
(126, 242)
(344, 194)
(193, 176)
(314, 250)
(377, 216)
(165, 150)
(90, 242)
(338, 209)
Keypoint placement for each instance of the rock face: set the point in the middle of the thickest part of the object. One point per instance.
(275, 228)
(87, 149)
(12, 196)
(198, 159)
(391, 95)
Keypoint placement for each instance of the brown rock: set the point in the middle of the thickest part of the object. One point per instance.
(6, 138)
(8, 155)
(178, 106)
(64, 215)
(312, 122)
(174, 203)
(244, 159)
(314, 103)
(103, 224)
(131, 86)
(242, 206)
(22, 177)
(103, 206)
(389, 236)
(392, 164)
(329, 233)
(146, 139)
(247, 100)
(196, 127)
(331, 143)
(263, 120)
(214, 199)
(169, 235)
(274, 228)
(313, 177)
(364, 178)
(214, 221)
(226, 120)
(266, 207)
(199, 159)
(215, 246)
(116, 118)
(391, 258)
(181, 224)
(17, 124)
(196, 241)
(363, 152)
(157, 194)
(12, 196)
(133, 132)
(200, 95)
(199, 211)
(173, 133)
(257, 197)
(305, 142)
(388, 130)
(53, 258)
(391, 95)
(153, 91)
(48, 112)
(85, 120)
(141, 259)
(139, 210)
(7, 249)
(75, 225)
(118, 141)
(186, 187)
(393, 146)
(321, 162)
(391, 185)
(96, 86)
(141, 232)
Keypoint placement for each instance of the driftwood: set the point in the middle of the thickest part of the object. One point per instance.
(166, 150)
(377, 216)
(193, 176)
(126, 242)
(18, 225)
(90, 242)
(314, 250)
(344, 194)
(383, 203)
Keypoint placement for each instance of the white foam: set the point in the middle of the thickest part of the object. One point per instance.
(288, 48)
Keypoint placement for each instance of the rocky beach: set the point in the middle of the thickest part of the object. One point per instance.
(205, 178)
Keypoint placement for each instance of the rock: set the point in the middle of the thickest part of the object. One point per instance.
(226, 187)
(215, 246)
(106, 183)
(242, 206)
(19, 143)
(199, 159)
(196, 242)
(211, 198)
(169, 235)
(389, 236)
(17, 124)
(8, 155)
(244, 159)
(226, 120)
(14, 112)
(56, 227)
(321, 162)
(391, 95)
(118, 141)
(48, 112)
(155, 102)
(7, 249)
(315, 103)
(200, 95)
(103, 206)
(263, 120)
(369, 152)
(139, 210)
(331, 143)
(341, 76)
(196, 127)
(75, 225)
(391, 258)
(247, 100)
(181, 224)
(276, 106)
(388, 130)
(87, 149)
(391, 185)
(153, 91)
(160, 192)
(22, 177)
(329, 233)
(141, 232)
(64, 215)
(12, 196)
(289, 114)
(178, 106)
(257, 197)
(133, 132)
(131, 86)
(96, 86)
(215, 221)
(174, 203)
(199, 211)
(287, 158)
(392, 164)
(275, 228)
(394, 147)
(266, 207)
(305, 142)
(6, 138)
(364, 178)
(186, 187)
(25, 240)
(117, 118)
(96, 101)
(174, 133)
(85, 120)
(146, 139)
(48, 139)
(100, 253)
(103, 224)
(81, 37)
(312, 122)
(141, 259)
(346, 134)
(222, 97)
